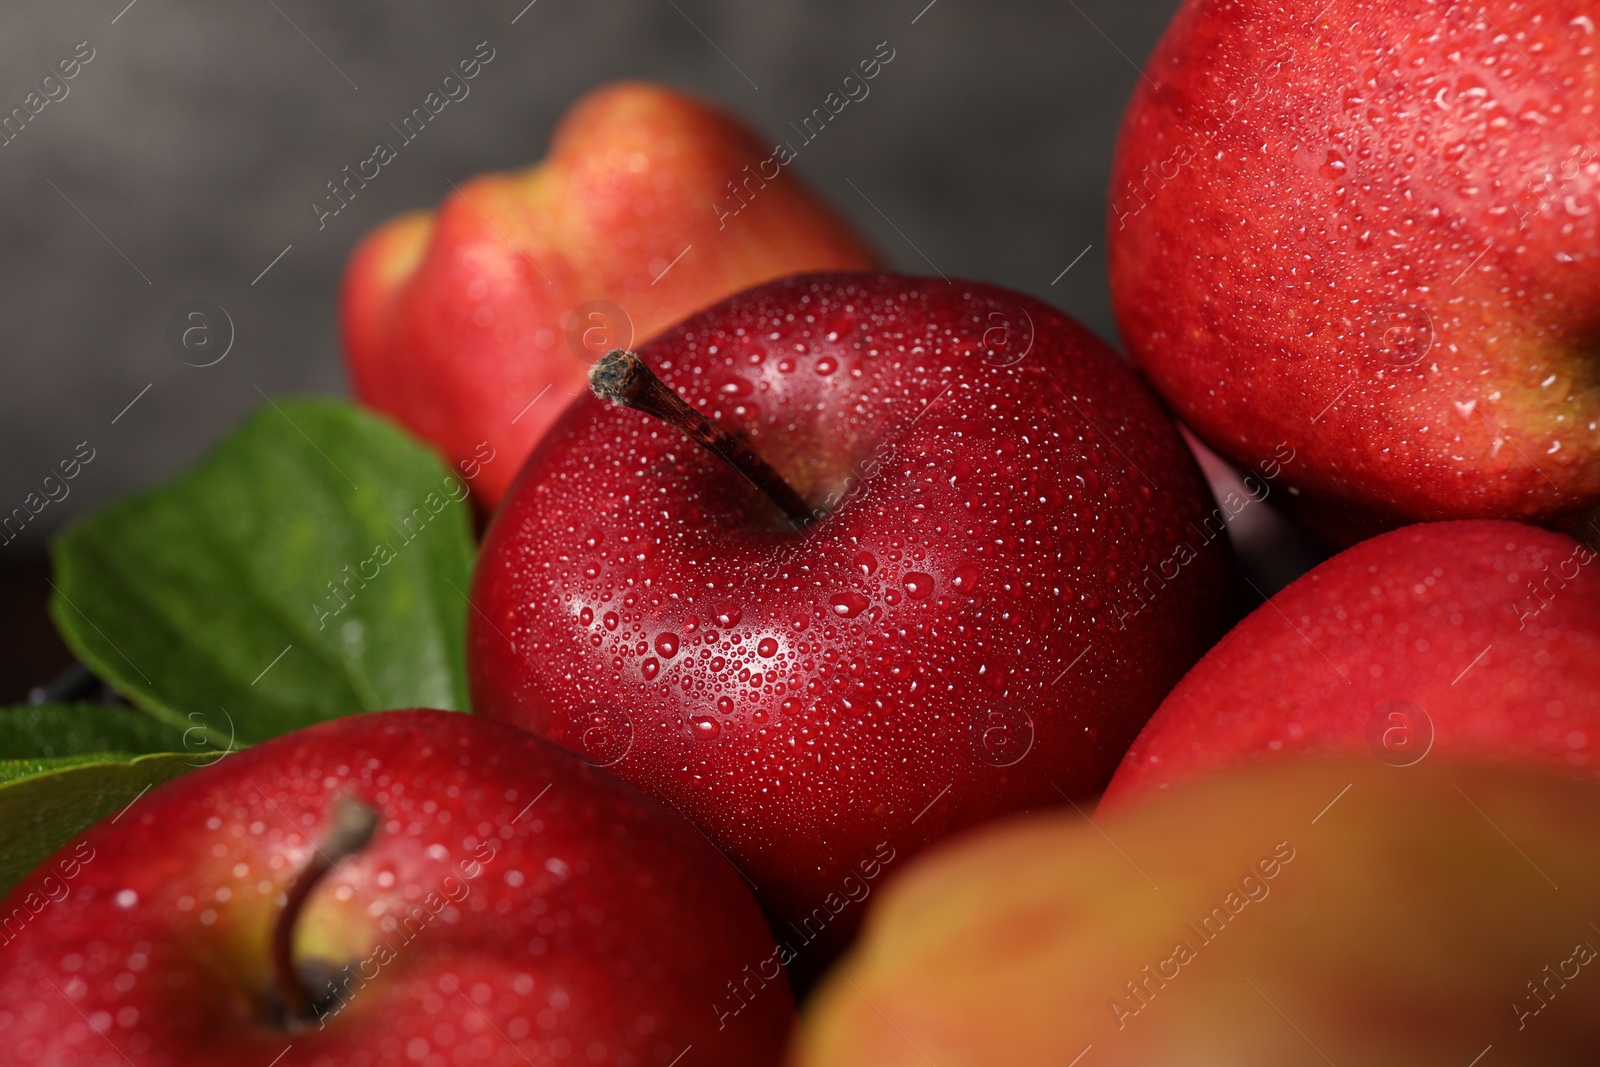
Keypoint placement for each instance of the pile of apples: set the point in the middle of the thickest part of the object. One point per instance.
(809, 568)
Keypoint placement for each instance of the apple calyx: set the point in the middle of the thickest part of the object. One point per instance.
(353, 826)
(623, 378)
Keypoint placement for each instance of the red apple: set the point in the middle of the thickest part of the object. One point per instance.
(474, 326)
(1470, 639)
(1369, 230)
(399, 888)
(1317, 912)
(1011, 563)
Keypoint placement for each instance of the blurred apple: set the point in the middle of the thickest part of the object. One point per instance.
(1311, 912)
(476, 325)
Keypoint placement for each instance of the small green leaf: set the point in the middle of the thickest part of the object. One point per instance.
(313, 566)
(63, 768)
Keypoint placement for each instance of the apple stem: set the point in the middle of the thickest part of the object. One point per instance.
(353, 826)
(623, 378)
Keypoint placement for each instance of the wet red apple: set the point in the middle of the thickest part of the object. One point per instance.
(1369, 230)
(1441, 640)
(940, 557)
(398, 888)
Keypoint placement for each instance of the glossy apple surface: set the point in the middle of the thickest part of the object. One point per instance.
(1454, 639)
(456, 322)
(1368, 229)
(514, 905)
(978, 623)
(1310, 912)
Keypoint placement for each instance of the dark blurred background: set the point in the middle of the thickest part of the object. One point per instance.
(180, 162)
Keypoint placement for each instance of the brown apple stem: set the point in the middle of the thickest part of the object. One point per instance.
(353, 826)
(623, 378)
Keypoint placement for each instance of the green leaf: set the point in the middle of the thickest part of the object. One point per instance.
(63, 768)
(314, 565)
(50, 732)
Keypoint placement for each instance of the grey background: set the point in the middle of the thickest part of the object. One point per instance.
(194, 139)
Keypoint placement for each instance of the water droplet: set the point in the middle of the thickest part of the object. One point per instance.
(650, 668)
(848, 605)
(586, 616)
(704, 728)
(965, 579)
(799, 622)
(867, 562)
(767, 648)
(729, 615)
(611, 620)
(725, 705)
(667, 645)
(918, 585)
(733, 385)
(827, 365)
(1333, 167)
